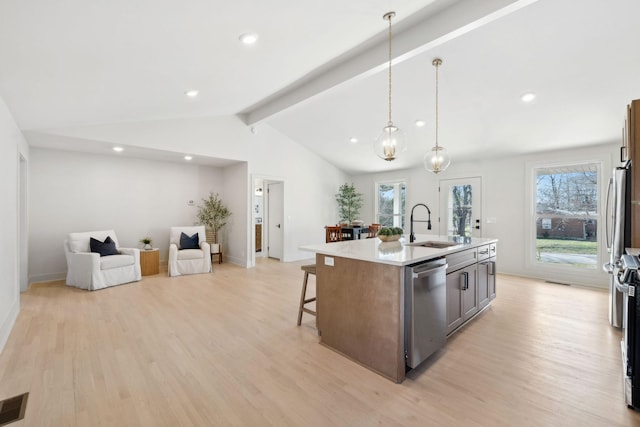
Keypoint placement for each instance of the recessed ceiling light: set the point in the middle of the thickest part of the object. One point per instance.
(118, 149)
(249, 38)
(188, 157)
(528, 97)
(353, 140)
(420, 123)
(191, 93)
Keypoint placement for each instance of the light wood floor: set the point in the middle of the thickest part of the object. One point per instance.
(223, 349)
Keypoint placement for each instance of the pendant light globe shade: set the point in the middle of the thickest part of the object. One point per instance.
(437, 160)
(390, 143)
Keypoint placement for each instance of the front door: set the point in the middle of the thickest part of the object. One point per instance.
(275, 192)
(460, 207)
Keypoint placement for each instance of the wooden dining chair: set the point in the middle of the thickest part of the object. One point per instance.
(373, 230)
(334, 233)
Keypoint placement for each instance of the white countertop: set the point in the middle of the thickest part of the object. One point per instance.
(395, 253)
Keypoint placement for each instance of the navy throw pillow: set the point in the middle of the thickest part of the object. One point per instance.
(187, 242)
(106, 248)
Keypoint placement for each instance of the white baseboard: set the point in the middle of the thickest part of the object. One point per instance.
(232, 260)
(52, 277)
(8, 322)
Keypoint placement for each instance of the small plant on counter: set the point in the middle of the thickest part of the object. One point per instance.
(389, 234)
(384, 232)
(390, 231)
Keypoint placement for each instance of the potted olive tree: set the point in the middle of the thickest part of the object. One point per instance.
(213, 215)
(349, 203)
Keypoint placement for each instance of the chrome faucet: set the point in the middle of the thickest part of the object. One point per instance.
(412, 236)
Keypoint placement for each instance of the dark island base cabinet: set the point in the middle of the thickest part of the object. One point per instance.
(486, 282)
(471, 284)
(461, 296)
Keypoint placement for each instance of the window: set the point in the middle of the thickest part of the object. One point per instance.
(390, 204)
(566, 215)
(461, 197)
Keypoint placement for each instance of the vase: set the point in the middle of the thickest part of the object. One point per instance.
(148, 247)
(389, 238)
(210, 234)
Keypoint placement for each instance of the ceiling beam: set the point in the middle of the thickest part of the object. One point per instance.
(430, 27)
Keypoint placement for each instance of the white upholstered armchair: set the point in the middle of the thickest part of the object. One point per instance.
(89, 270)
(186, 255)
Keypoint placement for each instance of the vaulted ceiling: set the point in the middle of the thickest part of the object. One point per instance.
(318, 72)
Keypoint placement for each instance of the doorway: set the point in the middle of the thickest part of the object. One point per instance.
(258, 216)
(461, 207)
(275, 220)
(268, 212)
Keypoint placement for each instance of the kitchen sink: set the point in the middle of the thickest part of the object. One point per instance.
(434, 244)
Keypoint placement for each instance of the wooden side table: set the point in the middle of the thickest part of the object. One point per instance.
(216, 251)
(258, 237)
(150, 261)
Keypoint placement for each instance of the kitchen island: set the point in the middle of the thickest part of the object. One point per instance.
(361, 293)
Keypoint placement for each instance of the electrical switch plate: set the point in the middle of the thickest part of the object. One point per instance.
(328, 261)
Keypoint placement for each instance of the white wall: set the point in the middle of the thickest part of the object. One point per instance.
(310, 185)
(504, 185)
(310, 181)
(73, 191)
(234, 235)
(12, 145)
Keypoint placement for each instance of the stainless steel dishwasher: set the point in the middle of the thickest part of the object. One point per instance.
(425, 310)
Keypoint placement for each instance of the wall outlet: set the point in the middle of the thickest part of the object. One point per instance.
(328, 261)
(190, 203)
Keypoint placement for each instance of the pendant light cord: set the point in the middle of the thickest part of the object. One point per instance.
(388, 16)
(436, 63)
(390, 71)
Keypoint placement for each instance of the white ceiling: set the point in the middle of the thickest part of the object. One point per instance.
(318, 71)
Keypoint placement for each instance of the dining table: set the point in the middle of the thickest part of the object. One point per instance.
(354, 233)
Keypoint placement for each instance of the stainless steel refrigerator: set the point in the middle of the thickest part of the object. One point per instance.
(618, 234)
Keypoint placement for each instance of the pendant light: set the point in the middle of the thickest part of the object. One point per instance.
(437, 160)
(390, 143)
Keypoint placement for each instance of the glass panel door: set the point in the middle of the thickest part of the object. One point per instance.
(460, 207)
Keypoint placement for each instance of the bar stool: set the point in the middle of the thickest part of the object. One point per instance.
(308, 269)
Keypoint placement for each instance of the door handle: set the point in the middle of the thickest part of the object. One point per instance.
(465, 280)
(492, 268)
(608, 241)
(278, 225)
(429, 272)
